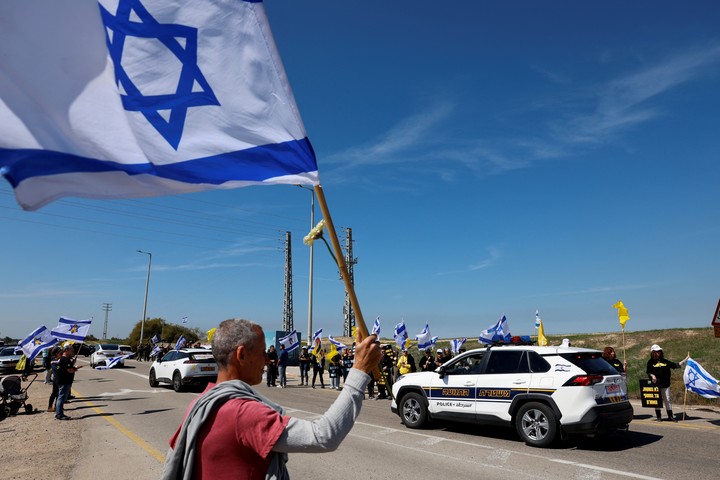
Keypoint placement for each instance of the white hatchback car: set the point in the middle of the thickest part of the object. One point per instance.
(103, 351)
(187, 366)
(541, 391)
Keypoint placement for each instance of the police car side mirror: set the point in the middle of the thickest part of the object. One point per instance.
(441, 371)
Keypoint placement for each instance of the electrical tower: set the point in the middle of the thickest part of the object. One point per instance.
(106, 308)
(287, 323)
(348, 313)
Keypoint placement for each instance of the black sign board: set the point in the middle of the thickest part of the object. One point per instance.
(650, 394)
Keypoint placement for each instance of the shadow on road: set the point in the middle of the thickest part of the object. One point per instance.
(146, 412)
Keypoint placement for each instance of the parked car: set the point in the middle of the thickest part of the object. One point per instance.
(126, 350)
(102, 352)
(541, 391)
(8, 358)
(186, 366)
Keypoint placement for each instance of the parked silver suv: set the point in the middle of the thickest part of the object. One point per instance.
(541, 391)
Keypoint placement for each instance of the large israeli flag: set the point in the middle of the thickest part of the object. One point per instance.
(137, 98)
(400, 335)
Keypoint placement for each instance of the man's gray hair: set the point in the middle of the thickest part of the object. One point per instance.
(231, 334)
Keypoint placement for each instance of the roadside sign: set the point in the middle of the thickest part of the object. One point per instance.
(716, 320)
(650, 394)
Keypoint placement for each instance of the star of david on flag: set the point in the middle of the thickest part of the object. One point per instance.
(138, 98)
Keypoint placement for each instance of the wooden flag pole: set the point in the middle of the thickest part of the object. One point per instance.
(360, 322)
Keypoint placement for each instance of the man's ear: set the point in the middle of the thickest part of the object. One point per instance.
(240, 353)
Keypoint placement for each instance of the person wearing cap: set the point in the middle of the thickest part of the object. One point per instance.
(439, 357)
(403, 363)
(658, 370)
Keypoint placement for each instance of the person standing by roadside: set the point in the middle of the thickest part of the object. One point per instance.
(232, 431)
(403, 363)
(611, 358)
(347, 362)
(272, 366)
(658, 370)
(427, 363)
(55, 353)
(304, 360)
(282, 366)
(319, 368)
(65, 375)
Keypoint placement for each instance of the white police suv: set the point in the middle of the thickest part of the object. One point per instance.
(541, 391)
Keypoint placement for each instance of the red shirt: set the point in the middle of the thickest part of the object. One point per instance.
(236, 440)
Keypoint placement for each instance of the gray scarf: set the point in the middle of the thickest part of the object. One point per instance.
(179, 462)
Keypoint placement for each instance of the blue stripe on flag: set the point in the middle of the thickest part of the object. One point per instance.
(252, 165)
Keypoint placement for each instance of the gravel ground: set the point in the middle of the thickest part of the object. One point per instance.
(35, 445)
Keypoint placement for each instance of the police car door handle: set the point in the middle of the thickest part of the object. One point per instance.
(469, 384)
(519, 382)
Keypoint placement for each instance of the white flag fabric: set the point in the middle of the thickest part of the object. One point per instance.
(112, 362)
(538, 322)
(138, 98)
(291, 341)
(425, 340)
(180, 342)
(34, 343)
(400, 334)
(69, 329)
(500, 332)
(699, 381)
(340, 346)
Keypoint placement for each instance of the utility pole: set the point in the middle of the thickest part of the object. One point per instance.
(287, 323)
(106, 308)
(350, 261)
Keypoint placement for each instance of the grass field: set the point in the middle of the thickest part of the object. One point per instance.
(676, 343)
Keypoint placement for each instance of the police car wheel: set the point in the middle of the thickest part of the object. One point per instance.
(152, 380)
(536, 424)
(413, 412)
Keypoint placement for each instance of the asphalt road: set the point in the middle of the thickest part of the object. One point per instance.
(128, 424)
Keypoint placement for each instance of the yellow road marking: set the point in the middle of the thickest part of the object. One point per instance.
(152, 451)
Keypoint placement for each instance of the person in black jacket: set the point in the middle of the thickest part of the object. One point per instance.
(658, 369)
(611, 358)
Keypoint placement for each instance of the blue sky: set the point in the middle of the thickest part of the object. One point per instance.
(490, 157)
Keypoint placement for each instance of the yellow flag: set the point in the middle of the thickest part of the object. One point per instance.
(408, 342)
(622, 313)
(332, 353)
(542, 339)
(316, 349)
(210, 334)
(354, 332)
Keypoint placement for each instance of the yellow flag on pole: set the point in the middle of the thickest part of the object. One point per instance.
(622, 313)
(542, 339)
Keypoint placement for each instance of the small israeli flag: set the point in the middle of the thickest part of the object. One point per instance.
(180, 343)
(339, 345)
(425, 340)
(376, 327)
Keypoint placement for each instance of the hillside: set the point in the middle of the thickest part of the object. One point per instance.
(676, 343)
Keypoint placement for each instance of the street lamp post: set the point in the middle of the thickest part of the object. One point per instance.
(147, 285)
(310, 282)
